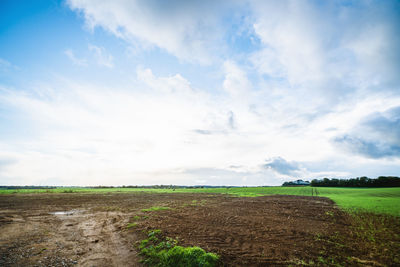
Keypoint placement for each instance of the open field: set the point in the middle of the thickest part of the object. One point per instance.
(378, 200)
(106, 229)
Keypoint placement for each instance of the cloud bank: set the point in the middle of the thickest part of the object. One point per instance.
(377, 135)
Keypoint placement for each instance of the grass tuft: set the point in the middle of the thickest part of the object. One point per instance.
(130, 225)
(156, 208)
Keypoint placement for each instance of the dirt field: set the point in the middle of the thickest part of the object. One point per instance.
(91, 229)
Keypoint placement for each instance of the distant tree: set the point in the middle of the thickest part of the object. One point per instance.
(381, 181)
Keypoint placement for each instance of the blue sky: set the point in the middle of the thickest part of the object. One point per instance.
(198, 92)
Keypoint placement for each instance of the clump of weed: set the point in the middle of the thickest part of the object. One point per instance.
(136, 218)
(130, 225)
(188, 256)
(300, 262)
(329, 213)
(156, 208)
(159, 251)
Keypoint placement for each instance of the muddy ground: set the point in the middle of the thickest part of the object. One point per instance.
(91, 229)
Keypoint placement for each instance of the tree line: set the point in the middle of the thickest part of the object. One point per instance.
(381, 181)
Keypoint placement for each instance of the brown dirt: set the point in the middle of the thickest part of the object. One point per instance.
(270, 230)
(260, 231)
(92, 233)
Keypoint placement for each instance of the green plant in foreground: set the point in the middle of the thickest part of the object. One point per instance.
(130, 225)
(155, 208)
(165, 252)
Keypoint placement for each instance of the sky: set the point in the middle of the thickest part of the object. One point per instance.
(191, 92)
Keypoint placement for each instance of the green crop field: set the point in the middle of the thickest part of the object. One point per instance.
(378, 200)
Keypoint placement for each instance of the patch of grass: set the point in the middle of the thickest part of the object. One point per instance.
(156, 208)
(369, 239)
(300, 262)
(130, 225)
(64, 191)
(378, 235)
(165, 252)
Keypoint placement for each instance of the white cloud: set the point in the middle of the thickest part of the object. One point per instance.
(188, 30)
(236, 82)
(103, 58)
(290, 34)
(327, 51)
(77, 61)
(172, 84)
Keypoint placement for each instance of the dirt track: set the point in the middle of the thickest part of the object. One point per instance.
(244, 231)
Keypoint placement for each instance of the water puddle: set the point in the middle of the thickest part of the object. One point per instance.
(69, 212)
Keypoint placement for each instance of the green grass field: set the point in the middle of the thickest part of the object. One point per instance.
(378, 200)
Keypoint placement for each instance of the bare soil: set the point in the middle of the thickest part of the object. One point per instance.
(70, 228)
(91, 229)
(261, 231)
